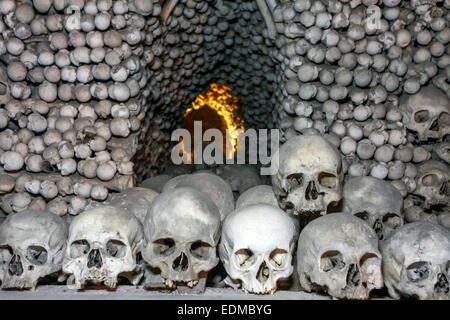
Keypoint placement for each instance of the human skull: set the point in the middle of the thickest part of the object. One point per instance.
(338, 253)
(182, 230)
(32, 245)
(416, 261)
(103, 244)
(309, 176)
(427, 112)
(135, 200)
(262, 194)
(375, 201)
(256, 247)
(217, 189)
(433, 178)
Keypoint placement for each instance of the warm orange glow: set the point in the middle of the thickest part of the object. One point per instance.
(183, 151)
(220, 99)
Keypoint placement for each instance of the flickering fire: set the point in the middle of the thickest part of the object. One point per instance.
(220, 99)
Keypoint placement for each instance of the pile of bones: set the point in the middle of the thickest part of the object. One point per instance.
(91, 90)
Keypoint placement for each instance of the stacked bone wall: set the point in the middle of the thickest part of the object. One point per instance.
(74, 94)
(346, 64)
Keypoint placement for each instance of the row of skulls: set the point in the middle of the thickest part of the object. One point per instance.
(180, 234)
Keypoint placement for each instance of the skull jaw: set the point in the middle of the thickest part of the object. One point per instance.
(172, 278)
(190, 277)
(338, 286)
(106, 275)
(313, 207)
(250, 283)
(25, 281)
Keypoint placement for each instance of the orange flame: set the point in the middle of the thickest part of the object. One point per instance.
(220, 99)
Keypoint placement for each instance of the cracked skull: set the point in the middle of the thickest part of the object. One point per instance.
(433, 178)
(256, 247)
(309, 176)
(416, 261)
(32, 245)
(182, 230)
(338, 253)
(427, 113)
(375, 201)
(103, 244)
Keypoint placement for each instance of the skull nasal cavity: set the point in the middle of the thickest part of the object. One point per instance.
(442, 285)
(353, 276)
(263, 273)
(311, 191)
(15, 266)
(181, 263)
(94, 259)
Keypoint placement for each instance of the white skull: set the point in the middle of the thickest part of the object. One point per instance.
(309, 176)
(182, 230)
(256, 247)
(433, 178)
(375, 201)
(338, 253)
(32, 245)
(217, 189)
(262, 194)
(103, 244)
(427, 112)
(416, 261)
(135, 200)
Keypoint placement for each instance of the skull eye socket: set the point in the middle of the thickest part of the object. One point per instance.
(201, 250)
(418, 271)
(421, 116)
(392, 220)
(79, 248)
(364, 215)
(294, 180)
(369, 263)
(36, 255)
(245, 258)
(116, 248)
(6, 253)
(278, 258)
(444, 119)
(332, 260)
(164, 246)
(430, 180)
(328, 180)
